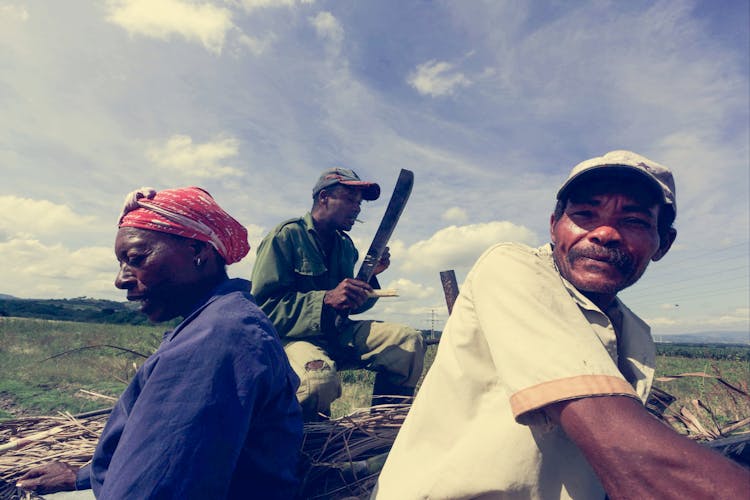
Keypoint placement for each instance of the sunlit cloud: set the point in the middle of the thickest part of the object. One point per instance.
(437, 78)
(251, 5)
(460, 246)
(256, 45)
(14, 12)
(24, 216)
(455, 215)
(197, 160)
(737, 319)
(328, 28)
(60, 271)
(202, 22)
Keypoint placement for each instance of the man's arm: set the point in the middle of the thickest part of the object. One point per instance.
(293, 313)
(188, 426)
(636, 456)
(50, 478)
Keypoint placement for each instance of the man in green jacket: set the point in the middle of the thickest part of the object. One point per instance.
(303, 280)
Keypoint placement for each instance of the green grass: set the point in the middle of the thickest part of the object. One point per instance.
(727, 405)
(33, 384)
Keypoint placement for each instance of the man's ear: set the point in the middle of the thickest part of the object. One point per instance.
(201, 249)
(552, 228)
(665, 244)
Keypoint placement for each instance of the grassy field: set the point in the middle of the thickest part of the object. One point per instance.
(36, 378)
(33, 382)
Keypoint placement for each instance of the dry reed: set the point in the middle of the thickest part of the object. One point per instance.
(342, 456)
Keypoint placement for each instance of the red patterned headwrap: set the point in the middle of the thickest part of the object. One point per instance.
(189, 212)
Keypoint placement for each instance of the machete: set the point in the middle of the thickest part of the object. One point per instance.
(396, 205)
(392, 213)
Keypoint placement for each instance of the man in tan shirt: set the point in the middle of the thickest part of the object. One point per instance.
(538, 386)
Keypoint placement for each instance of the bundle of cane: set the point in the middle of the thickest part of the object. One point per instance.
(345, 455)
(29, 442)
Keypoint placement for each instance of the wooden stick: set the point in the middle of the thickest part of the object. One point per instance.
(387, 292)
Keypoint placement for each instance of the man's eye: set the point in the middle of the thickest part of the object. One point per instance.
(135, 260)
(638, 222)
(580, 213)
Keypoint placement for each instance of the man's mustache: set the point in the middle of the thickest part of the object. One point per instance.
(614, 256)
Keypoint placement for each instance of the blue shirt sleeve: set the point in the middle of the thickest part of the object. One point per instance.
(185, 430)
(83, 478)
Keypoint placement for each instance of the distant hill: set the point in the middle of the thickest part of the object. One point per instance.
(706, 338)
(82, 309)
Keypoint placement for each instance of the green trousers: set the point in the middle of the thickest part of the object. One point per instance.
(395, 352)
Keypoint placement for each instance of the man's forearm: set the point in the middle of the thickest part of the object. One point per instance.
(636, 456)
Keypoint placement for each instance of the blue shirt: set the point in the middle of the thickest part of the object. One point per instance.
(211, 414)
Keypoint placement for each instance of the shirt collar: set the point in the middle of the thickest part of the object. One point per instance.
(224, 288)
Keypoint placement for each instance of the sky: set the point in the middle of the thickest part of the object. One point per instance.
(489, 103)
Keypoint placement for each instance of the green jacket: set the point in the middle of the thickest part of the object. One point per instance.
(291, 275)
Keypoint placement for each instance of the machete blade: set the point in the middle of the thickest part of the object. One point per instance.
(396, 205)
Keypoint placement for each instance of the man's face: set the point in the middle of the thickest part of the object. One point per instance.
(157, 270)
(344, 205)
(603, 242)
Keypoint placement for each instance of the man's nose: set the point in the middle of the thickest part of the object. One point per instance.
(605, 235)
(124, 278)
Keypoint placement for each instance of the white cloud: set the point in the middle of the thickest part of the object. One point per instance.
(436, 78)
(205, 23)
(256, 45)
(250, 5)
(197, 160)
(459, 246)
(255, 235)
(455, 215)
(408, 290)
(24, 216)
(735, 319)
(328, 27)
(57, 271)
(14, 12)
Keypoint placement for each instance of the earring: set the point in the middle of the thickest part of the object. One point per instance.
(198, 262)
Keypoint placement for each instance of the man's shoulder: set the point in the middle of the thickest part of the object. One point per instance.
(291, 231)
(292, 225)
(235, 316)
(513, 265)
(515, 251)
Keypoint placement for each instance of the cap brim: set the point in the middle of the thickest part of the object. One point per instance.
(370, 190)
(613, 171)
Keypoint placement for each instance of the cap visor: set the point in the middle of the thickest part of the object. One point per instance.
(622, 172)
(370, 190)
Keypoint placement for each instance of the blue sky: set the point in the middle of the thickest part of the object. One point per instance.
(490, 103)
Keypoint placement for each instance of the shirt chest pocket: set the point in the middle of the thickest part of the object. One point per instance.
(308, 266)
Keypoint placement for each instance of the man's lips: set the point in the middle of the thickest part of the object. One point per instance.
(614, 257)
(599, 258)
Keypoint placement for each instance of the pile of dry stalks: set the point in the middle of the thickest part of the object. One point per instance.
(342, 456)
(686, 420)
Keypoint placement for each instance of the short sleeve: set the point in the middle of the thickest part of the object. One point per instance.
(543, 346)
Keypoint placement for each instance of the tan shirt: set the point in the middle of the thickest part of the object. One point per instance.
(519, 338)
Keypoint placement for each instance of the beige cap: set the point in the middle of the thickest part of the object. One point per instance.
(623, 162)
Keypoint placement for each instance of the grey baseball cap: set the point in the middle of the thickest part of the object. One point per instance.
(622, 163)
(347, 177)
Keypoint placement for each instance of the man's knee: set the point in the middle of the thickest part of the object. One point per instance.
(403, 359)
(410, 341)
(319, 387)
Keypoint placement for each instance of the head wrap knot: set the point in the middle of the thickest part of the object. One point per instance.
(188, 212)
